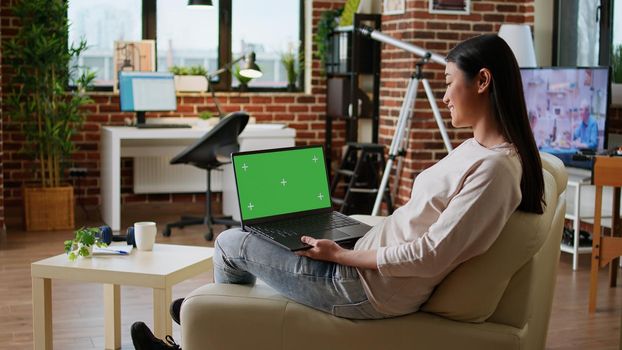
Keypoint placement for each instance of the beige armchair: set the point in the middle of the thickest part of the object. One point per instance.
(499, 300)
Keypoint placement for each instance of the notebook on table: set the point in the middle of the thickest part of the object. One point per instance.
(284, 194)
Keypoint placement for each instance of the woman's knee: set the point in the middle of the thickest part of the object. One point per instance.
(229, 242)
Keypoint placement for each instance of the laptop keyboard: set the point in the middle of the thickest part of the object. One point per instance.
(295, 226)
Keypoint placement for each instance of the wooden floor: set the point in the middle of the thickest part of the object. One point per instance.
(78, 311)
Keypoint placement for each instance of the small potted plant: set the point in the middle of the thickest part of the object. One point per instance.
(82, 244)
(292, 69)
(241, 79)
(190, 79)
(206, 119)
(616, 81)
(328, 21)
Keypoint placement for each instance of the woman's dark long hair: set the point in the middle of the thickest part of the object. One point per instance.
(508, 103)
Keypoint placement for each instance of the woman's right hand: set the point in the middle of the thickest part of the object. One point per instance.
(321, 249)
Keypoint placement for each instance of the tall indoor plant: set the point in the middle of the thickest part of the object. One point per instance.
(616, 80)
(43, 64)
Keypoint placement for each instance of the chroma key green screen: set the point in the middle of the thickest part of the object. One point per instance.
(281, 182)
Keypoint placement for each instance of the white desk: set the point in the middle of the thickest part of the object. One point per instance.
(122, 141)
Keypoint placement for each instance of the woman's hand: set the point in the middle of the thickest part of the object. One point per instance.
(327, 250)
(321, 249)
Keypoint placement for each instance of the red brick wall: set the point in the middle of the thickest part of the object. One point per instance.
(300, 111)
(304, 112)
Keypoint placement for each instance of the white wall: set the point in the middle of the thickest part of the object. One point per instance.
(543, 32)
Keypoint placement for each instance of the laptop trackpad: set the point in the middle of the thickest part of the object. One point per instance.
(332, 235)
(355, 230)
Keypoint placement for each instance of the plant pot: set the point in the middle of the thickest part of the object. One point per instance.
(90, 250)
(190, 83)
(75, 248)
(291, 87)
(207, 123)
(48, 209)
(243, 87)
(616, 95)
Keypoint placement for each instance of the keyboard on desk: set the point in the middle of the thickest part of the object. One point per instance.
(162, 126)
(306, 224)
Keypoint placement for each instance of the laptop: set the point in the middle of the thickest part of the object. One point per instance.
(284, 195)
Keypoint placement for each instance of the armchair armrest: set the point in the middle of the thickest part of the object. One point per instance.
(368, 219)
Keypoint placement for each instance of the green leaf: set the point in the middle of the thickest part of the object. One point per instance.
(68, 246)
(616, 64)
(192, 70)
(206, 115)
(84, 251)
(325, 27)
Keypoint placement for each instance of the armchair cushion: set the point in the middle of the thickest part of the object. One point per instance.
(473, 290)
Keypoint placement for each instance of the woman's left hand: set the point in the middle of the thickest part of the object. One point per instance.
(321, 249)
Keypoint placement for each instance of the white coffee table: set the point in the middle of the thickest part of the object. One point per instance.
(159, 269)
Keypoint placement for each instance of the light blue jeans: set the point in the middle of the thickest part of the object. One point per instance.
(241, 257)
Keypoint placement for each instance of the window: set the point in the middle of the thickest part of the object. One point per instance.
(617, 24)
(100, 23)
(190, 36)
(586, 31)
(186, 36)
(253, 31)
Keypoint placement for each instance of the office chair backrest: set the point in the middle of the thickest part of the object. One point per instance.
(215, 147)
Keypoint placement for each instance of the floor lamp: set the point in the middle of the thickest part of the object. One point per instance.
(399, 142)
(249, 70)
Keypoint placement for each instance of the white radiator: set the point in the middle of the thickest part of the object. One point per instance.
(156, 175)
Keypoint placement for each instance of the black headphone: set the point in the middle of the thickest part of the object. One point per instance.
(106, 236)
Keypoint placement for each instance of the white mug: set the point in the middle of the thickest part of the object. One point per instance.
(144, 235)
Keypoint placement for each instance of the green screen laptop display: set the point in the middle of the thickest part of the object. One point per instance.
(281, 182)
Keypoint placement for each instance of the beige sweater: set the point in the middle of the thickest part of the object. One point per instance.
(457, 209)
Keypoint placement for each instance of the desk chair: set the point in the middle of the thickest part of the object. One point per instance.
(210, 152)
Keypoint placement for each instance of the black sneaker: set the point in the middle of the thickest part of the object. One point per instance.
(143, 339)
(175, 310)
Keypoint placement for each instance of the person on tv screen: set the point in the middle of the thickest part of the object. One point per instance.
(586, 134)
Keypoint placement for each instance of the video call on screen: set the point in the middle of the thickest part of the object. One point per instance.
(567, 107)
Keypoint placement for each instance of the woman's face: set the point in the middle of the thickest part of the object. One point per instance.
(461, 97)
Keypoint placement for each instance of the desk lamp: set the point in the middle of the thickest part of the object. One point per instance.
(250, 69)
(200, 3)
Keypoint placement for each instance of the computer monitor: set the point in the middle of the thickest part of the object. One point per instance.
(142, 92)
(567, 109)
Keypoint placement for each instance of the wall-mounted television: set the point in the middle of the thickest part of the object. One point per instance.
(567, 109)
